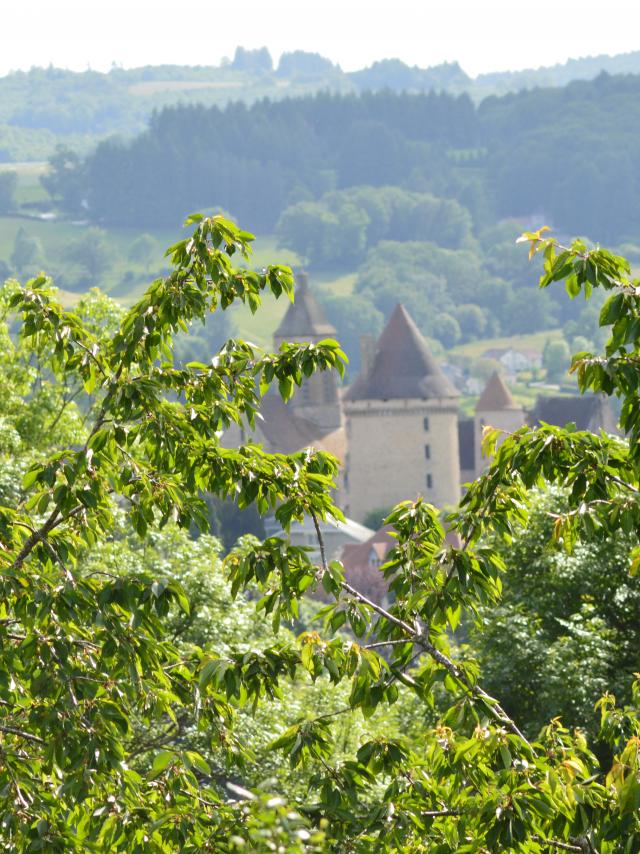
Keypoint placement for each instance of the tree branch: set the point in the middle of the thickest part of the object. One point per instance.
(494, 709)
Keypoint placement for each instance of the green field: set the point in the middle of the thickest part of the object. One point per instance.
(534, 341)
(29, 188)
(126, 280)
(339, 284)
(56, 235)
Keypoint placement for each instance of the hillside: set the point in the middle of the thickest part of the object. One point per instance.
(568, 155)
(46, 106)
(384, 197)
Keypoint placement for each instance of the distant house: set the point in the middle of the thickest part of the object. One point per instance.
(362, 564)
(335, 535)
(455, 375)
(514, 361)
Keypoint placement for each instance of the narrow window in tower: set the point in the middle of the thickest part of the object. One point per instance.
(429, 482)
(427, 452)
(329, 388)
(425, 422)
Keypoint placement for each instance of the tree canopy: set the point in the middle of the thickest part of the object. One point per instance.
(118, 724)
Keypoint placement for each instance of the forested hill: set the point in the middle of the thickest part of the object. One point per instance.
(255, 161)
(569, 154)
(43, 106)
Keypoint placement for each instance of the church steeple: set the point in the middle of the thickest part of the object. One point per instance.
(318, 398)
(495, 408)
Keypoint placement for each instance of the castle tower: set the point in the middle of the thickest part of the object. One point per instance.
(495, 408)
(402, 426)
(317, 400)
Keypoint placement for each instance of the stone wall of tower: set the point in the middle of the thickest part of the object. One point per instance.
(388, 459)
(503, 419)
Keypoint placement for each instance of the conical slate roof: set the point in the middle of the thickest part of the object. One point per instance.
(403, 366)
(496, 396)
(304, 317)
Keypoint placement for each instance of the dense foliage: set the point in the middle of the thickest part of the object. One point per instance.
(119, 703)
(566, 629)
(342, 225)
(256, 160)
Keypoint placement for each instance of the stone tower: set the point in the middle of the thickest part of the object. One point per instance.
(317, 400)
(495, 408)
(402, 426)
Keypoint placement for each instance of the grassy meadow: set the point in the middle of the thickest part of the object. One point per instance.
(126, 280)
(535, 341)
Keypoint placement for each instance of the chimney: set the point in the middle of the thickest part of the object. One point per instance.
(367, 352)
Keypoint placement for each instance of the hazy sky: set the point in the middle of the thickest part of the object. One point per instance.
(483, 35)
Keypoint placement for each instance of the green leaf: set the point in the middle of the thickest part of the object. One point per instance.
(31, 477)
(196, 762)
(161, 762)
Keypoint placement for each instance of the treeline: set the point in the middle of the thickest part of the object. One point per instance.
(256, 161)
(572, 154)
(569, 155)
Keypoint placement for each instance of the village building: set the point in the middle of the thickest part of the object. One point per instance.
(362, 562)
(313, 417)
(591, 412)
(396, 430)
(336, 535)
(317, 402)
(515, 360)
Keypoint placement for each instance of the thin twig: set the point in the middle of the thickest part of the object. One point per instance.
(439, 813)
(11, 730)
(65, 403)
(172, 729)
(623, 483)
(378, 644)
(563, 846)
(200, 800)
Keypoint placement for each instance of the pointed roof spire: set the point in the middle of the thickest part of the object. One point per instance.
(403, 366)
(304, 318)
(496, 396)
